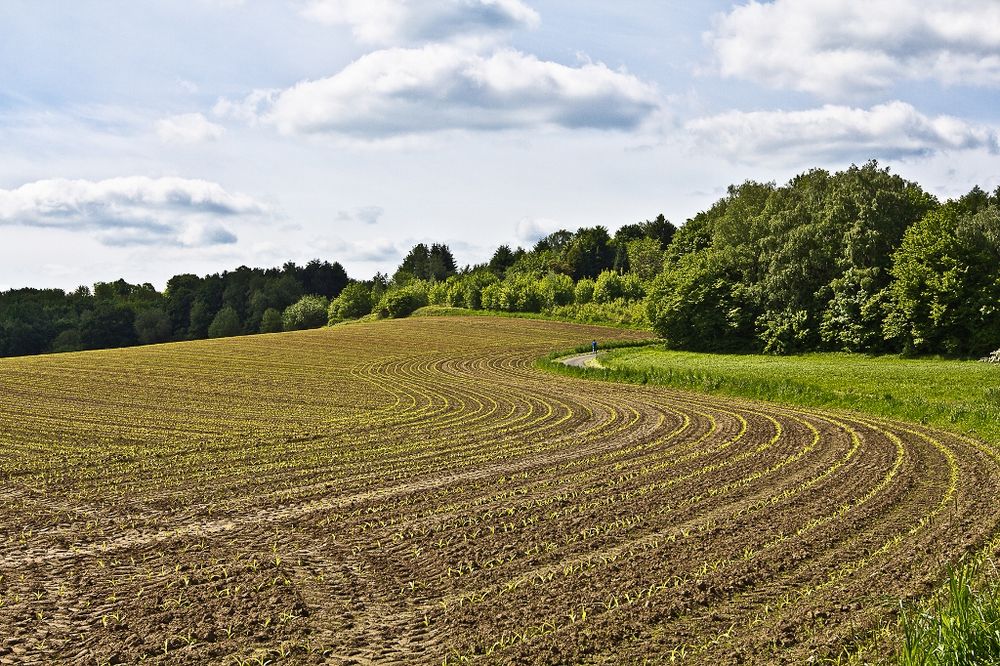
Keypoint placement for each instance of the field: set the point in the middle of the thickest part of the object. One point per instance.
(417, 491)
(957, 395)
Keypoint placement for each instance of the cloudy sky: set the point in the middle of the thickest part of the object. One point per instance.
(143, 139)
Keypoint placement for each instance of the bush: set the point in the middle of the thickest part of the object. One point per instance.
(402, 301)
(584, 291)
(521, 293)
(853, 317)
(354, 302)
(633, 288)
(307, 312)
(786, 332)
(438, 294)
(608, 287)
(946, 288)
(619, 313)
(492, 296)
(466, 291)
(556, 289)
(611, 286)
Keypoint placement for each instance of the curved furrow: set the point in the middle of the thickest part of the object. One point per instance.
(416, 492)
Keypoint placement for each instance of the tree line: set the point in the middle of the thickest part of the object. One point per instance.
(860, 260)
(119, 314)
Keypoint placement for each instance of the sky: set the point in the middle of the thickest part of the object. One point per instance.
(145, 139)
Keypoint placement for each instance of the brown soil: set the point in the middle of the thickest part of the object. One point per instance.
(416, 492)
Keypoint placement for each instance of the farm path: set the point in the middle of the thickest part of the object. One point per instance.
(579, 360)
(416, 491)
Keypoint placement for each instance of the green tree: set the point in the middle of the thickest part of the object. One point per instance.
(855, 311)
(697, 304)
(556, 290)
(323, 278)
(645, 258)
(270, 321)
(501, 260)
(108, 325)
(426, 263)
(946, 292)
(152, 325)
(226, 324)
(589, 253)
(202, 316)
(180, 294)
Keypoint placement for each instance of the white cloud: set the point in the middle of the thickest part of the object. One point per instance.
(401, 92)
(189, 87)
(132, 210)
(371, 250)
(397, 22)
(364, 215)
(531, 230)
(188, 128)
(837, 47)
(841, 133)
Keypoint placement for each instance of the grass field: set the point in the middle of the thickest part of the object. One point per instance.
(416, 491)
(960, 395)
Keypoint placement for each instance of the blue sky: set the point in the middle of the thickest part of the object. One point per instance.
(144, 139)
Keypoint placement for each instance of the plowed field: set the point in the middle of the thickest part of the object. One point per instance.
(417, 492)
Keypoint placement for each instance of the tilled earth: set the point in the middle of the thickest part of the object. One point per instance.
(418, 492)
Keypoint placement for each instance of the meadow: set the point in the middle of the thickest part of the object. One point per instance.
(418, 491)
(958, 395)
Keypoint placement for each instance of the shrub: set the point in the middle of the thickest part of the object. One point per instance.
(619, 313)
(608, 287)
(402, 301)
(467, 291)
(556, 289)
(354, 301)
(491, 296)
(438, 294)
(521, 293)
(696, 305)
(584, 291)
(307, 312)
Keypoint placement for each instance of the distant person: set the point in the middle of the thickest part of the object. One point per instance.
(593, 346)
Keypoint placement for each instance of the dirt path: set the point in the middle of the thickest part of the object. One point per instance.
(579, 360)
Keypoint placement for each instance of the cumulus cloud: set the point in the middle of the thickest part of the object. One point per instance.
(841, 133)
(438, 87)
(364, 215)
(531, 230)
(132, 210)
(397, 22)
(188, 128)
(837, 47)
